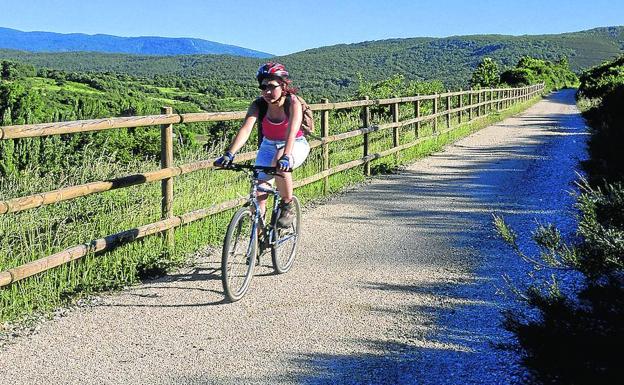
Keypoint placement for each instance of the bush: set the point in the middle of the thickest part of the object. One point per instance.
(603, 79)
(531, 71)
(577, 335)
(602, 87)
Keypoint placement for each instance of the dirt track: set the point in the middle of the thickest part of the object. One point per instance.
(395, 282)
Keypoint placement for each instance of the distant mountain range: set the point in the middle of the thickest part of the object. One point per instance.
(145, 45)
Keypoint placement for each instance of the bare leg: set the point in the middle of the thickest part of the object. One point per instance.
(285, 186)
(284, 181)
(262, 198)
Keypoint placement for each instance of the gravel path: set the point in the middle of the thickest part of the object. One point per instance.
(395, 283)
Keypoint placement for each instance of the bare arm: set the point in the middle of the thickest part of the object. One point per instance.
(243, 133)
(294, 123)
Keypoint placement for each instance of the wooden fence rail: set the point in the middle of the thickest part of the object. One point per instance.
(486, 101)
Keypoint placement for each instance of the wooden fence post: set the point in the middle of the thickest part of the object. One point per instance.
(483, 101)
(448, 109)
(365, 124)
(435, 112)
(417, 115)
(502, 101)
(395, 130)
(166, 160)
(460, 103)
(470, 103)
(325, 134)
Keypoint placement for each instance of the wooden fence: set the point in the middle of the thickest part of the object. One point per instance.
(481, 102)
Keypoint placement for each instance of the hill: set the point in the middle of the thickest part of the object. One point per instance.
(145, 45)
(452, 59)
(332, 71)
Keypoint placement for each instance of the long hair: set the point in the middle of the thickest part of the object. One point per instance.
(288, 87)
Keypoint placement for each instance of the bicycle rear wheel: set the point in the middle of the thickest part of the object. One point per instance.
(284, 248)
(239, 254)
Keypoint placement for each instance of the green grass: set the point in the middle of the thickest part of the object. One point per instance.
(39, 232)
(51, 85)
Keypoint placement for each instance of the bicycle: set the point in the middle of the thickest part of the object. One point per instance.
(242, 247)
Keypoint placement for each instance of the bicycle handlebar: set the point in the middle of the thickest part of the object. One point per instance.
(239, 167)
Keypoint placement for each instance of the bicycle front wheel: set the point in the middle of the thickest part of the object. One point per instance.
(239, 254)
(284, 248)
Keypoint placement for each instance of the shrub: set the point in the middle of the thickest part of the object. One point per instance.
(486, 75)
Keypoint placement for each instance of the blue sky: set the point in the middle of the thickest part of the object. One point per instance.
(283, 27)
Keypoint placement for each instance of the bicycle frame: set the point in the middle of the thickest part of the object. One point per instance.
(259, 220)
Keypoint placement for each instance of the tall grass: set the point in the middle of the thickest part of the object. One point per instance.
(35, 233)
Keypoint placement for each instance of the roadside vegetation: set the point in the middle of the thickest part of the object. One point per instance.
(572, 328)
(555, 75)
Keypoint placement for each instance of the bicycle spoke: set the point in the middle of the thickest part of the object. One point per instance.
(285, 246)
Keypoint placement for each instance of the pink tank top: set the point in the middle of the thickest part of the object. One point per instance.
(276, 131)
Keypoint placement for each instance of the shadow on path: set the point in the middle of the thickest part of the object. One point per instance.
(527, 182)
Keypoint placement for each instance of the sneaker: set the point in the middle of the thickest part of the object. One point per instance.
(287, 215)
(263, 244)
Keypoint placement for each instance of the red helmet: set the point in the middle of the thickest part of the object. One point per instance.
(272, 69)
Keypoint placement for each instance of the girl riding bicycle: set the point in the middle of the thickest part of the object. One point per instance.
(283, 144)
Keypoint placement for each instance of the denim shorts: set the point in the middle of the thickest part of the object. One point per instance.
(267, 154)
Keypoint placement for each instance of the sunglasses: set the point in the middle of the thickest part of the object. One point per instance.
(265, 87)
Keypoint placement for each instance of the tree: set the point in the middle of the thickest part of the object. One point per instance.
(486, 74)
(531, 70)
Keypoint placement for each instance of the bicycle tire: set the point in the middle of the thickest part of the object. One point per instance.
(284, 248)
(239, 254)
